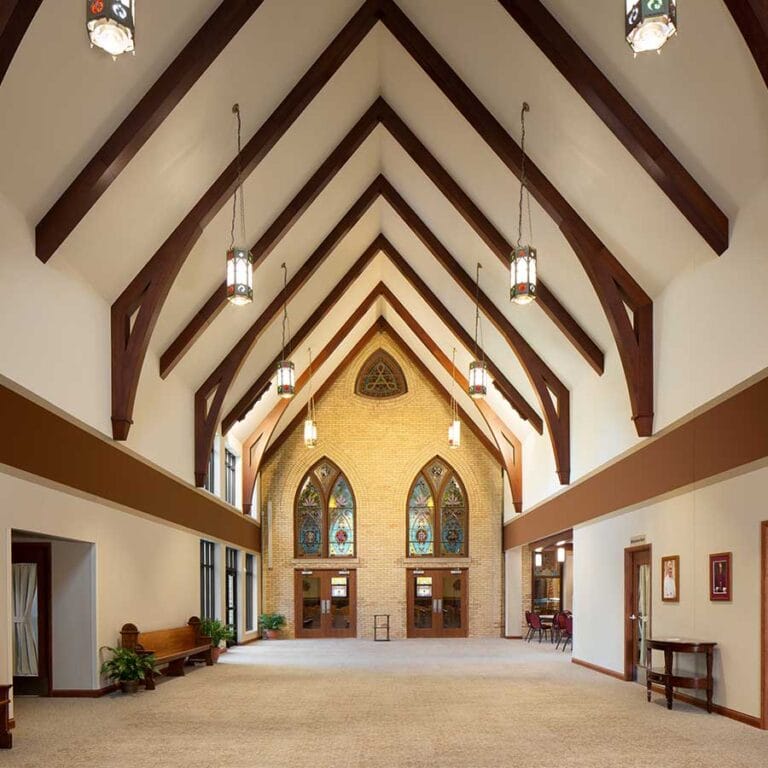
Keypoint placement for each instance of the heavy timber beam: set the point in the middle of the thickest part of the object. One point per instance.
(626, 124)
(553, 395)
(147, 292)
(144, 119)
(615, 287)
(15, 18)
(751, 17)
(380, 244)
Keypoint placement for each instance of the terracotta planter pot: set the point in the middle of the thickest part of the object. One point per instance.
(129, 686)
(215, 653)
(272, 634)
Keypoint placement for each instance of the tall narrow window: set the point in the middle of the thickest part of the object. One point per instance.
(210, 478)
(230, 475)
(207, 579)
(250, 591)
(437, 522)
(231, 590)
(325, 514)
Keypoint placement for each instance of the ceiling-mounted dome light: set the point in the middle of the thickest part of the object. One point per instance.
(111, 25)
(523, 257)
(650, 23)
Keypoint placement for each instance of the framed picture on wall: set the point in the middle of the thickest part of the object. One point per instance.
(670, 579)
(720, 576)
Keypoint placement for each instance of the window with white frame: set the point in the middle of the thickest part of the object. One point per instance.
(230, 477)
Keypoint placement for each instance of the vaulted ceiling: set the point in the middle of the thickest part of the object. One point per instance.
(381, 156)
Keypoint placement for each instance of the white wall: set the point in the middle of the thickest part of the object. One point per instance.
(720, 517)
(513, 592)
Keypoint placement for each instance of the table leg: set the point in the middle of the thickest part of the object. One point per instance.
(668, 674)
(648, 685)
(710, 683)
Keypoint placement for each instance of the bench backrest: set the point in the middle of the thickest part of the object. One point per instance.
(165, 641)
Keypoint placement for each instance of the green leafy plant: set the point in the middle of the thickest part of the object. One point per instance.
(217, 631)
(127, 666)
(272, 621)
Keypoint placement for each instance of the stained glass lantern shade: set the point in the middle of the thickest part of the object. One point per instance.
(310, 433)
(286, 379)
(454, 434)
(111, 25)
(239, 276)
(478, 379)
(523, 275)
(650, 23)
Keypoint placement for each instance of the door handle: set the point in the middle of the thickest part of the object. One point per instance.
(633, 617)
(434, 605)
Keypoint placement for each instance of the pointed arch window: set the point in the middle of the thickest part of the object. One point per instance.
(438, 516)
(380, 377)
(324, 519)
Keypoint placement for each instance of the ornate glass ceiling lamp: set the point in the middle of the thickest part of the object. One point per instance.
(650, 23)
(310, 423)
(239, 258)
(523, 266)
(478, 369)
(111, 25)
(286, 373)
(454, 430)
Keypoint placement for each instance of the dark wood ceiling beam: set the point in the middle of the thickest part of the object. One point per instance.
(273, 235)
(488, 233)
(751, 17)
(622, 120)
(143, 120)
(552, 394)
(15, 18)
(613, 284)
(147, 292)
(209, 398)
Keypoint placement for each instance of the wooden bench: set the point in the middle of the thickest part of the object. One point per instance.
(6, 737)
(171, 647)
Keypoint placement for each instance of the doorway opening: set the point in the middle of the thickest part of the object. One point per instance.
(437, 600)
(326, 603)
(637, 611)
(231, 593)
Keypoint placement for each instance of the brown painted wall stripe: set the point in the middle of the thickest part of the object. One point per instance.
(41, 442)
(728, 435)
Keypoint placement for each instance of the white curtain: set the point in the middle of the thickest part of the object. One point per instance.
(25, 620)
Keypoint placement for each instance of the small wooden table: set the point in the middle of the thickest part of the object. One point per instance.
(668, 679)
(6, 739)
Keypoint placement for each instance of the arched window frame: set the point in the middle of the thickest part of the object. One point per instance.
(325, 489)
(437, 491)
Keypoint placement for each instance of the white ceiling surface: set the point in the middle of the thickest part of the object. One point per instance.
(84, 96)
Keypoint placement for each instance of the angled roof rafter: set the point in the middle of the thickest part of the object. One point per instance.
(15, 18)
(751, 17)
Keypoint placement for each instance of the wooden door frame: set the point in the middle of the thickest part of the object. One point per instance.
(629, 553)
(410, 575)
(437, 574)
(764, 624)
(324, 574)
(299, 631)
(464, 576)
(351, 574)
(42, 550)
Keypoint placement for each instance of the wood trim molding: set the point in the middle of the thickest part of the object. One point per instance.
(751, 17)
(85, 693)
(764, 624)
(15, 18)
(725, 436)
(622, 120)
(136, 310)
(52, 446)
(733, 714)
(139, 125)
(602, 670)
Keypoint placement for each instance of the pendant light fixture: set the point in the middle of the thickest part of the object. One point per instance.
(478, 369)
(286, 374)
(561, 554)
(523, 267)
(454, 430)
(310, 423)
(111, 25)
(650, 23)
(239, 258)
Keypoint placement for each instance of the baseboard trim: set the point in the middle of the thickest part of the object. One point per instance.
(513, 637)
(84, 693)
(601, 670)
(734, 714)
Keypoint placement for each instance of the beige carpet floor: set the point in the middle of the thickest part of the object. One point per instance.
(404, 704)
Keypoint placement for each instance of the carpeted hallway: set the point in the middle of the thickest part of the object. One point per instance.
(406, 704)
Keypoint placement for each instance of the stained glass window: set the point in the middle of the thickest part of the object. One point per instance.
(380, 376)
(438, 519)
(325, 514)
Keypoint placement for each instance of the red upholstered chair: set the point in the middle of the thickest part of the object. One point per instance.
(528, 624)
(538, 627)
(566, 632)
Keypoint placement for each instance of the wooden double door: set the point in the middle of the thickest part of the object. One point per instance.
(437, 602)
(326, 603)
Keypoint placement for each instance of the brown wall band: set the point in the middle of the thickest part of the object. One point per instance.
(728, 435)
(43, 443)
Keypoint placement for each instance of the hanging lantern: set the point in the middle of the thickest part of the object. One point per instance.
(650, 23)
(454, 430)
(310, 433)
(478, 379)
(523, 275)
(561, 554)
(286, 379)
(239, 276)
(538, 559)
(111, 25)
(454, 434)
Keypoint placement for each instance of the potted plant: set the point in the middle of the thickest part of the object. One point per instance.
(128, 668)
(271, 623)
(217, 631)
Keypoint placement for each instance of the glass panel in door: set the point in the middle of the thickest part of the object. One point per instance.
(452, 601)
(340, 603)
(423, 602)
(310, 604)
(25, 620)
(643, 613)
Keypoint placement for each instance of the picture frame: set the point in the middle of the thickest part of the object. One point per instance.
(720, 577)
(670, 579)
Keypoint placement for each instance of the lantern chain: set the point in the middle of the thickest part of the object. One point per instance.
(286, 324)
(523, 180)
(478, 324)
(454, 405)
(239, 187)
(311, 403)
